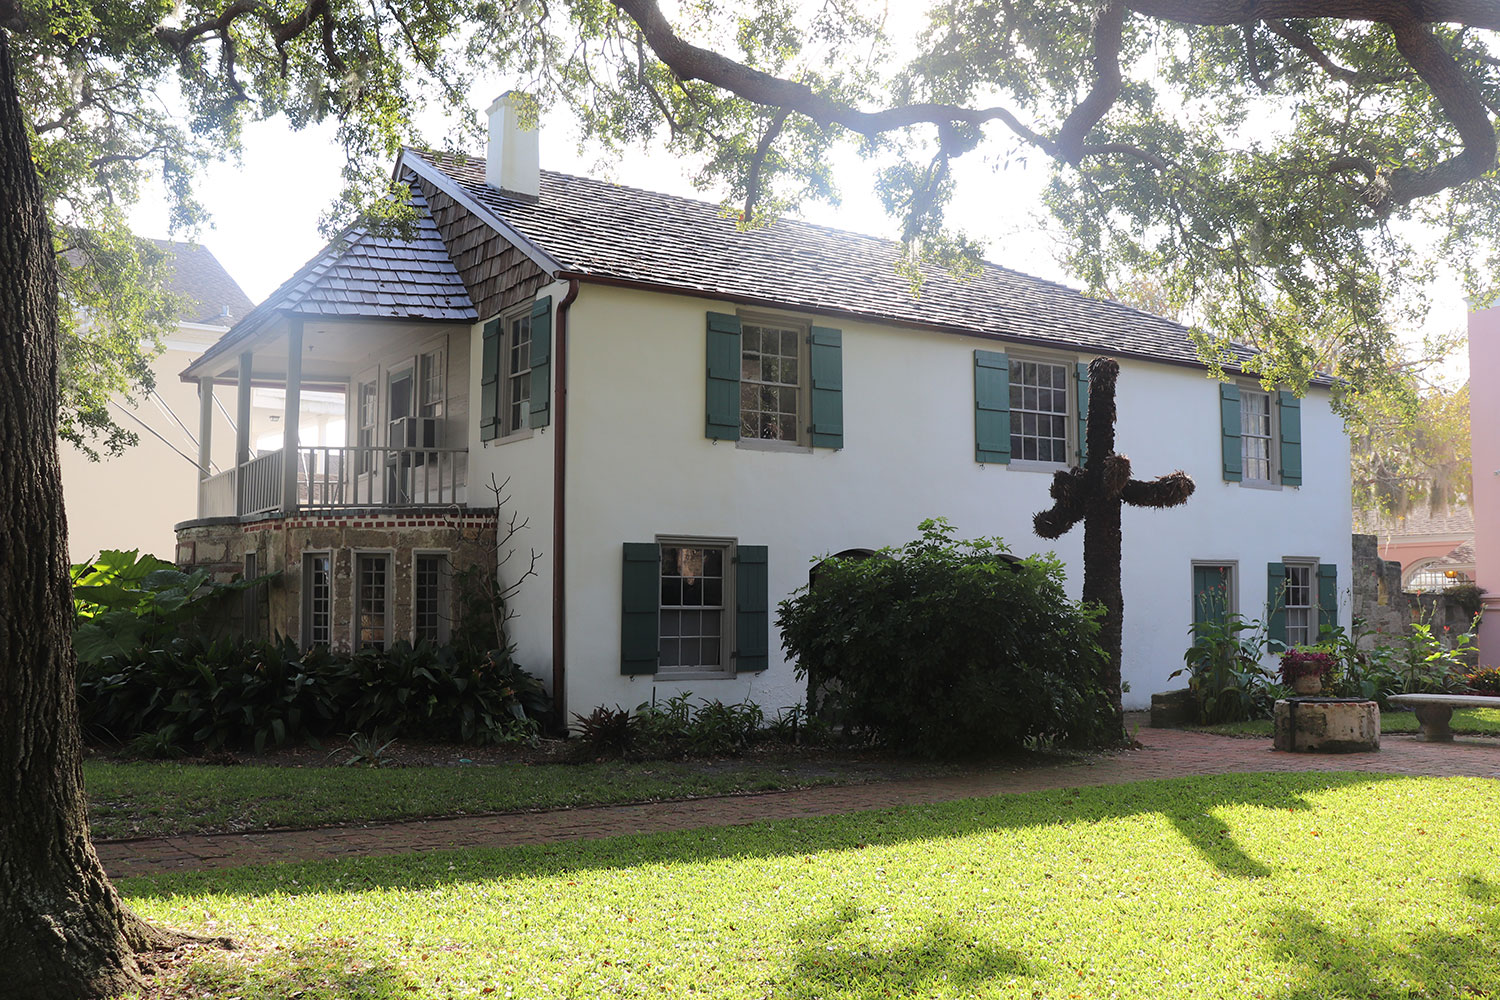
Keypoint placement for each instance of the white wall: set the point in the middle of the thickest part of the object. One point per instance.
(639, 466)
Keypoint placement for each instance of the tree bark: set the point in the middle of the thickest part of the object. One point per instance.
(63, 931)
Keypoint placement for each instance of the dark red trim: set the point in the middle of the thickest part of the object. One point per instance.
(560, 507)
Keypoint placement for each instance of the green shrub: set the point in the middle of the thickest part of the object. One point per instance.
(949, 648)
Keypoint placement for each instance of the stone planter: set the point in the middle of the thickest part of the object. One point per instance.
(1327, 725)
(1308, 685)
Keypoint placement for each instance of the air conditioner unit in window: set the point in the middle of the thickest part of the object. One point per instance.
(413, 432)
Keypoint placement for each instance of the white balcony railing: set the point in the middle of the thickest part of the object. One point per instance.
(329, 477)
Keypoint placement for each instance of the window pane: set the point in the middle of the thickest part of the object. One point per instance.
(669, 653)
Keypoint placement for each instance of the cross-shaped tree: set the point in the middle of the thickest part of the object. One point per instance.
(1093, 494)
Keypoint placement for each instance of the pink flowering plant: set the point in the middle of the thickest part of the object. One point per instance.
(1297, 663)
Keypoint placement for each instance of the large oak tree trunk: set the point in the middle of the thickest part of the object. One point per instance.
(63, 931)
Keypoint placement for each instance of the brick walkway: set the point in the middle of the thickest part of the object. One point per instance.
(1166, 754)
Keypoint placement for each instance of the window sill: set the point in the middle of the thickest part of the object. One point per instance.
(510, 438)
(1260, 484)
(692, 675)
(762, 444)
(1034, 466)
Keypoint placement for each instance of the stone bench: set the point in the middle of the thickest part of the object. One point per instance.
(1435, 711)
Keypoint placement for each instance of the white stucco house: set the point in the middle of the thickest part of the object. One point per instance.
(690, 417)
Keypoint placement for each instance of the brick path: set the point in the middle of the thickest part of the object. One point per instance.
(1166, 754)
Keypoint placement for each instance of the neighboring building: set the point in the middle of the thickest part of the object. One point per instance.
(132, 501)
(1484, 455)
(689, 417)
(1435, 549)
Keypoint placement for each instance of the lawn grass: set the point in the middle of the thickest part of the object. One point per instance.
(159, 799)
(1296, 886)
(1473, 721)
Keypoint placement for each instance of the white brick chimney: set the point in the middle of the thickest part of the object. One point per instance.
(513, 161)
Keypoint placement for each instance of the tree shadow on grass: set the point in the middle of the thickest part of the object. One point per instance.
(944, 957)
(1366, 958)
(1188, 803)
(327, 972)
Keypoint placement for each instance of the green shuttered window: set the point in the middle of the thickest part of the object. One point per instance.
(1260, 435)
(773, 380)
(515, 371)
(1301, 598)
(694, 609)
(991, 407)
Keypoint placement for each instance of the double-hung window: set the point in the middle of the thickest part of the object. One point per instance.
(1039, 411)
(365, 435)
(1256, 436)
(517, 389)
(771, 396)
(1299, 600)
(431, 392)
(694, 595)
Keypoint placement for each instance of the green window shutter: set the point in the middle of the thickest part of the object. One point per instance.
(723, 377)
(1229, 432)
(1291, 438)
(827, 373)
(541, 363)
(752, 609)
(489, 383)
(1210, 594)
(1328, 595)
(991, 407)
(1081, 380)
(640, 608)
(1276, 601)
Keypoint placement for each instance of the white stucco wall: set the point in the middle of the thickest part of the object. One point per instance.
(639, 466)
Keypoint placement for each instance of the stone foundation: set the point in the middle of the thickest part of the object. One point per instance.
(278, 542)
(1327, 725)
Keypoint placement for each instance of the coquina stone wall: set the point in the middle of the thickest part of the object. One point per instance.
(279, 543)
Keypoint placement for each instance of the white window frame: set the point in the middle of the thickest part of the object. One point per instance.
(1315, 613)
(1069, 365)
(506, 389)
(726, 670)
(367, 462)
(437, 349)
(802, 329)
(305, 621)
(357, 594)
(445, 593)
(1273, 443)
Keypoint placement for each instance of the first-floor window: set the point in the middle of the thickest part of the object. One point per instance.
(317, 599)
(693, 599)
(1298, 599)
(430, 617)
(372, 573)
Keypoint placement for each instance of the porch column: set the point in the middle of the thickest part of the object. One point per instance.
(289, 418)
(205, 426)
(242, 412)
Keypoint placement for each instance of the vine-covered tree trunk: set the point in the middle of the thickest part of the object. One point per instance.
(63, 931)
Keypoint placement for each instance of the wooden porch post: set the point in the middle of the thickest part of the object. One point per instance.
(242, 412)
(289, 419)
(205, 426)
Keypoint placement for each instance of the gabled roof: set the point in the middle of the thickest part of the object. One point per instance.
(1455, 520)
(213, 297)
(594, 229)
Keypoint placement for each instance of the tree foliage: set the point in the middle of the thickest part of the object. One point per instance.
(1290, 173)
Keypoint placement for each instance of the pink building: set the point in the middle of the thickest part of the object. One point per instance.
(1484, 419)
(1435, 549)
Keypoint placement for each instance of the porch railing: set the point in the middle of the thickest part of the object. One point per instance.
(329, 477)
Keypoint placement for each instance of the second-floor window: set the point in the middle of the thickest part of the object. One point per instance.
(1256, 438)
(517, 382)
(771, 383)
(1038, 411)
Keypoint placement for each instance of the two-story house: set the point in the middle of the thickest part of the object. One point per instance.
(690, 417)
